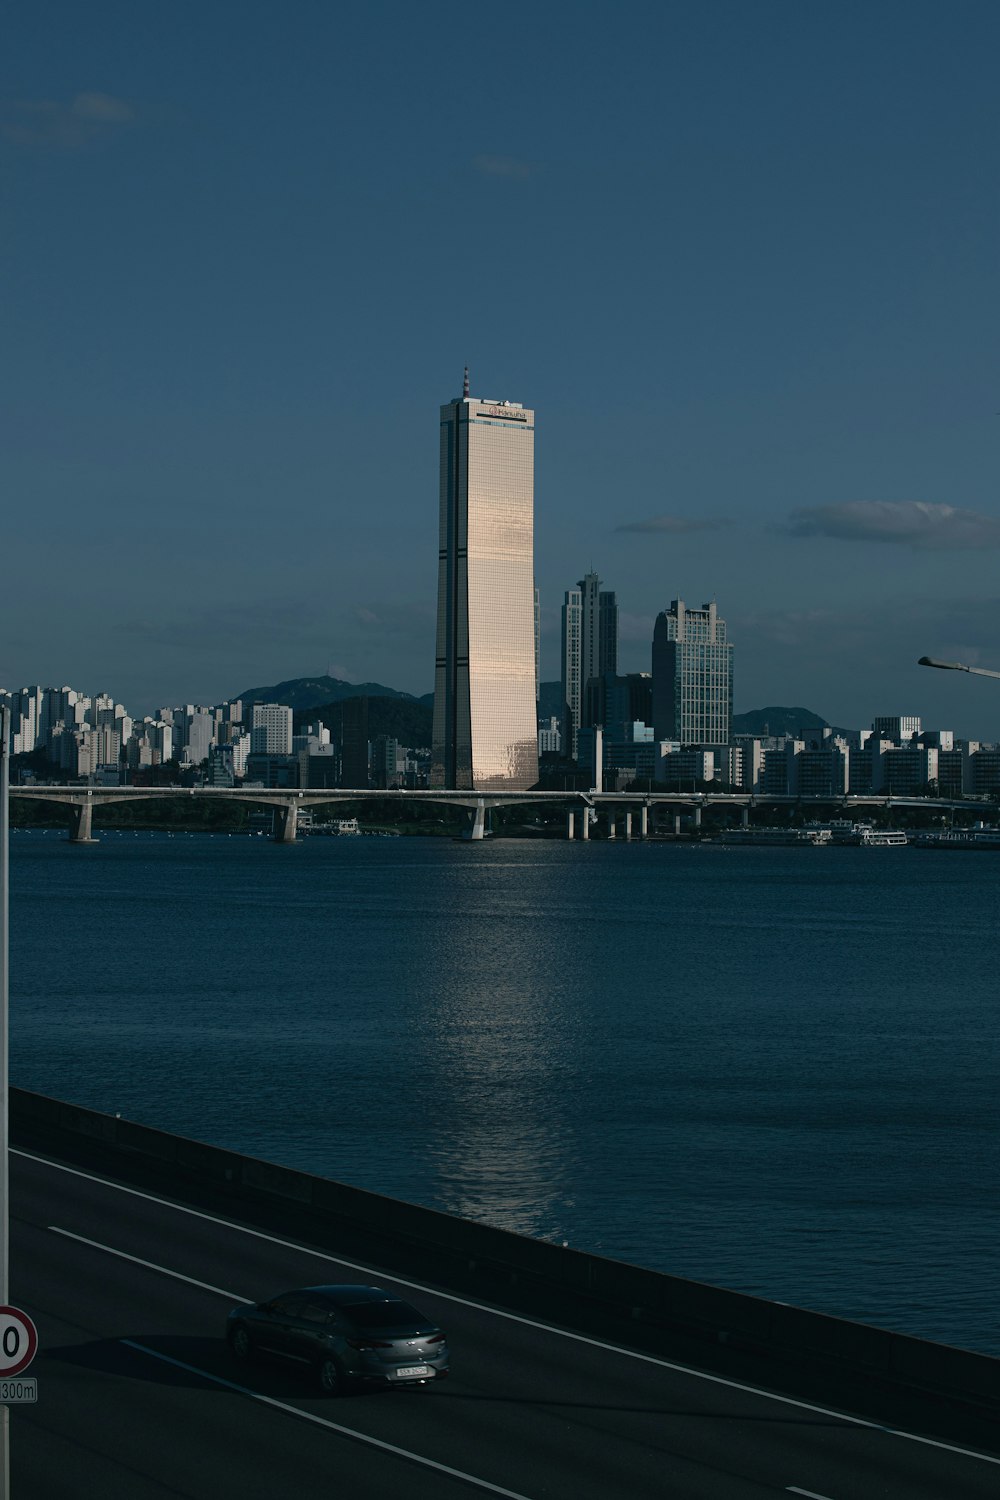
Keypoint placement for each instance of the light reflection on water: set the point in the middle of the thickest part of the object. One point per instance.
(501, 1145)
(772, 1069)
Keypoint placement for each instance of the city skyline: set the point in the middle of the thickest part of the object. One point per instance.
(748, 271)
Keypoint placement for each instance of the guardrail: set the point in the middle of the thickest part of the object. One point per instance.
(480, 1254)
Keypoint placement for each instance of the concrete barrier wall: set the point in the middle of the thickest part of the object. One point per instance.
(787, 1335)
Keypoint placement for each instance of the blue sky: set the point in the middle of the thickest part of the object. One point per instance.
(741, 258)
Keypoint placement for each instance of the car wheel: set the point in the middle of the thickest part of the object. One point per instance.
(331, 1377)
(240, 1342)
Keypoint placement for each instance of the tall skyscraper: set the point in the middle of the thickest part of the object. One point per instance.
(354, 743)
(692, 676)
(485, 726)
(589, 650)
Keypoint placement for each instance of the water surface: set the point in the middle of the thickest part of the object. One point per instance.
(772, 1069)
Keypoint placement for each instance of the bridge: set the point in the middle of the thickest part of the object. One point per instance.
(628, 810)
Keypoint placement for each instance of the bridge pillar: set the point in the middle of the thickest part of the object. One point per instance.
(81, 822)
(478, 821)
(745, 815)
(286, 823)
(644, 821)
(677, 824)
(697, 816)
(628, 827)
(585, 823)
(612, 824)
(571, 824)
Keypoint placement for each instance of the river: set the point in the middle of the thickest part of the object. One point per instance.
(770, 1069)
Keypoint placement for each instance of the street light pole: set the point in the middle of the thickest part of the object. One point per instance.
(955, 666)
(4, 989)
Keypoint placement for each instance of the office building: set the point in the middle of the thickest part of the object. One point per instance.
(692, 676)
(614, 700)
(897, 728)
(589, 653)
(197, 733)
(549, 737)
(388, 762)
(355, 745)
(484, 682)
(690, 768)
(271, 729)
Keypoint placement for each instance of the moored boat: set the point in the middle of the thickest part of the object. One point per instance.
(960, 838)
(784, 837)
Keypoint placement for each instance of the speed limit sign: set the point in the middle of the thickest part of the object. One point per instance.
(18, 1341)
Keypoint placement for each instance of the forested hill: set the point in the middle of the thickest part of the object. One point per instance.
(408, 719)
(798, 722)
(313, 692)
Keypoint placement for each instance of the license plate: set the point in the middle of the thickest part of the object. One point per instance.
(405, 1370)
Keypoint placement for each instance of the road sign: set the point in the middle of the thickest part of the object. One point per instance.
(18, 1341)
(20, 1391)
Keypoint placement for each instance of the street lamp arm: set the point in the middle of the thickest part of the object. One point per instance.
(955, 666)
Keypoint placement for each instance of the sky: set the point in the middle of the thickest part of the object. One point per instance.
(741, 259)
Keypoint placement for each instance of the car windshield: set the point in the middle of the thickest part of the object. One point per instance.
(385, 1314)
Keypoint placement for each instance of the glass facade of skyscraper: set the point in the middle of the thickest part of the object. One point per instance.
(589, 651)
(692, 676)
(485, 736)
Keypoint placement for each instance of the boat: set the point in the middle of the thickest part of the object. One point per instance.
(879, 838)
(844, 831)
(796, 838)
(960, 838)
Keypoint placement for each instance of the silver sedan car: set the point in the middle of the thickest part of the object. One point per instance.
(346, 1336)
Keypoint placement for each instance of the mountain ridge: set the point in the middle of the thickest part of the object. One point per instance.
(303, 694)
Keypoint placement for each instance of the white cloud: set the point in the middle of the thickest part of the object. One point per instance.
(914, 523)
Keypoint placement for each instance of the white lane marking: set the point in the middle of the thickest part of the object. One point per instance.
(348, 1432)
(793, 1489)
(149, 1265)
(496, 1312)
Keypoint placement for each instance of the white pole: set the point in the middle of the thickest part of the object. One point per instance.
(4, 954)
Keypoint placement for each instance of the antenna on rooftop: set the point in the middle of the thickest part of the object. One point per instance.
(465, 384)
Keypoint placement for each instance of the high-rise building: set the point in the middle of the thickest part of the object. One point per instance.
(484, 683)
(692, 676)
(615, 700)
(271, 731)
(589, 650)
(355, 745)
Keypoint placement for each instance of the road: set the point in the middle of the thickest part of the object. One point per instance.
(139, 1398)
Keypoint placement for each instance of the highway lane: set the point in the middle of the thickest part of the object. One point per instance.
(139, 1396)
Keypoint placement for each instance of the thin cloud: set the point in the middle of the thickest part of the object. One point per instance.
(673, 525)
(103, 107)
(913, 523)
(63, 126)
(502, 166)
